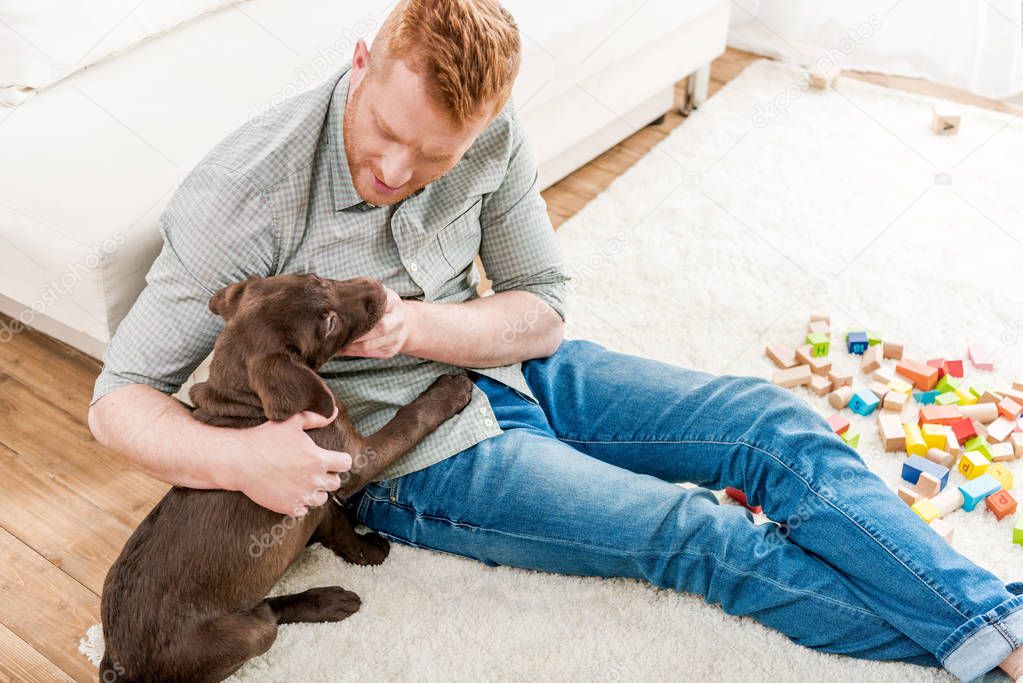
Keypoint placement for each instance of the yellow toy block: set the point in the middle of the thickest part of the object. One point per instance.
(1002, 474)
(973, 464)
(915, 444)
(966, 397)
(901, 386)
(927, 510)
(935, 436)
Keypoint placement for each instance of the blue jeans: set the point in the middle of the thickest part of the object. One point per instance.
(583, 484)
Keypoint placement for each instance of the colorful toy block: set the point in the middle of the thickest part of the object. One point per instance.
(965, 397)
(976, 490)
(910, 496)
(838, 423)
(840, 378)
(839, 398)
(938, 363)
(901, 386)
(973, 464)
(925, 398)
(954, 368)
(820, 385)
(872, 357)
(851, 438)
(893, 350)
(954, 448)
(879, 389)
(982, 412)
(883, 374)
(1001, 429)
(1017, 444)
(927, 510)
(782, 356)
(792, 377)
(873, 338)
(947, 384)
(915, 444)
(820, 343)
(1017, 531)
(979, 444)
(864, 402)
(1001, 503)
(963, 429)
(948, 501)
(941, 457)
(945, 415)
(1003, 474)
(889, 428)
(1002, 452)
(857, 341)
(981, 357)
(737, 495)
(894, 400)
(923, 376)
(949, 398)
(928, 485)
(819, 365)
(1010, 409)
(916, 465)
(935, 435)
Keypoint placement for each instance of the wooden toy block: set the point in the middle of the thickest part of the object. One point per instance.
(783, 356)
(954, 368)
(926, 398)
(945, 415)
(883, 374)
(963, 429)
(935, 435)
(820, 385)
(981, 356)
(909, 495)
(965, 397)
(792, 377)
(893, 400)
(900, 385)
(979, 389)
(990, 397)
(915, 444)
(818, 327)
(817, 315)
(976, 490)
(938, 363)
(945, 121)
(818, 365)
(1002, 474)
(954, 448)
(973, 464)
(949, 398)
(737, 495)
(1000, 429)
(948, 501)
(839, 398)
(943, 529)
(1017, 531)
(923, 376)
(1010, 409)
(873, 338)
(893, 350)
(851, 438)
(936, 455)
(822, 80)
(889, 428)
(1002, 452)
(819, 344)
(872, 357)
(879, 389)
(984, 413)
(916, 465)
(840, 378)
(928, 485)
(1017, 444)
(980, 445)
(946, 383)
(927, 510)
(1017, 384)
(864, 402)
(838, 423)
(857, 341)
(1001, 503)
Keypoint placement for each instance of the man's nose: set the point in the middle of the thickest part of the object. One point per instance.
(396, 168)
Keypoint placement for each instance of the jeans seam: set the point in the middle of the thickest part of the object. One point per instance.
(1014, 643)
(606, 549)
(799, 476)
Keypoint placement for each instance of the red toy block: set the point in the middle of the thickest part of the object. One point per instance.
(964, 430)
(1001, 503)
(938, 363)
(736, 494)
(954, 368)
(838, 423)
(923, 376)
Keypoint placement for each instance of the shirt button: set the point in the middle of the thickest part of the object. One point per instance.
(483, 410)
(488, 422)
(413, 267)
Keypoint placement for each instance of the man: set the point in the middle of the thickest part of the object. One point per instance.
(405, 167)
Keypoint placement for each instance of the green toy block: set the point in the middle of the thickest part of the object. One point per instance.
(851, 438)
(949, 398)
(978, 390)
(979, 444)
(821, 344)
(1017, 531)
(947, 383)
(873, 338)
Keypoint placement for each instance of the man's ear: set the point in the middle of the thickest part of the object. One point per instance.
(287, 387)
(225, 301)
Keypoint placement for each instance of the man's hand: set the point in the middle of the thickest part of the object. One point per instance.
(389, 336)
(279, 467)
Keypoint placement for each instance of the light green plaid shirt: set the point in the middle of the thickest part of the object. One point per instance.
(277, 197)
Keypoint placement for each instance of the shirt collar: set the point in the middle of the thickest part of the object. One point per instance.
(345, 196)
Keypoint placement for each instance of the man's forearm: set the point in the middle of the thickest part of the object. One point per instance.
(158, 434)
(496, 330)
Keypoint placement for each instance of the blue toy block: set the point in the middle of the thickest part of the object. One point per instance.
(857, 342)
(864, 402)
(912, 468)
(976, 490)
(926, 398)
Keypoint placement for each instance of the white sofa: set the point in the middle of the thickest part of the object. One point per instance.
(90, 160)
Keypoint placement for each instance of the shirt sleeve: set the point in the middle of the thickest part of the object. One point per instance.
(217, 229)
(518, 247)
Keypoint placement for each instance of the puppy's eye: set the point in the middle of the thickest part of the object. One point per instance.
(329, 322)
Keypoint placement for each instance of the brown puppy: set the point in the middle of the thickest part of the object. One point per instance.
(185, 600)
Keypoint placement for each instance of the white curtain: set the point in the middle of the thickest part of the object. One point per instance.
(971, 44)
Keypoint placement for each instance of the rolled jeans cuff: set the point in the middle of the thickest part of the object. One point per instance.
(980, 645)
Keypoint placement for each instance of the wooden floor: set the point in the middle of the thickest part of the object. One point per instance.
(67, 504)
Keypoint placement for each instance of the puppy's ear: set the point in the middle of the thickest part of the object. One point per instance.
(225, 301)
(287, 387)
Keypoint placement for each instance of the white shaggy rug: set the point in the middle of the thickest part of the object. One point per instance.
(725, 237)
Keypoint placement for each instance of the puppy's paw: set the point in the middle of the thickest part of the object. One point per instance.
(326, 604)
(451, 392)
(372, 548)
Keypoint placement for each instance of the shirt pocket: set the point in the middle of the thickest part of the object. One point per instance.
(459, 240)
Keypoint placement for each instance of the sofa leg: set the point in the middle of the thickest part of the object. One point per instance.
(697, 85)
